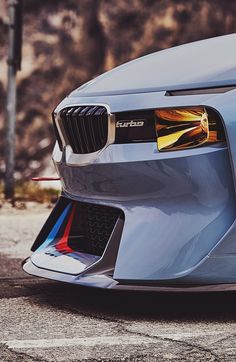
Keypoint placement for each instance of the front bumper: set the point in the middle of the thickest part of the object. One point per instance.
(176, 216)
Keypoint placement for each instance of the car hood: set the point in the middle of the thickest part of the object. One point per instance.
(205, 63)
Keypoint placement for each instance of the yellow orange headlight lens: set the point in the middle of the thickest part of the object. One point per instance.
(182, 128)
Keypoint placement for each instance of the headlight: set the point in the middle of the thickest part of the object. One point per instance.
(182, 128)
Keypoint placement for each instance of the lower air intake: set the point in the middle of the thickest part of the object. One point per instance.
(92, 227)
(75, 226)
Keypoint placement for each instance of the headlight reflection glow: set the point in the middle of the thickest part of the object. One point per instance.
(182, 128)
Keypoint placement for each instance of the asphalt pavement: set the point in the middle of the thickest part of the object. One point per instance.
(42, 320)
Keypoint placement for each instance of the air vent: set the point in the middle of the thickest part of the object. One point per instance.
(191, 92)
(90, 226)
(92, 229)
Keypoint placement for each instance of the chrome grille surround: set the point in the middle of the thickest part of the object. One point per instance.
(85, 130)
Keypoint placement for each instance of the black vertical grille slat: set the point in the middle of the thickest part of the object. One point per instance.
(96, 127)
(98, 114)
(85, 128)
(81, 120)
(77, 130)
(88, 127)
(91, 128)
(69, 121)
(64, 123)
(103, 126)
(100, 126)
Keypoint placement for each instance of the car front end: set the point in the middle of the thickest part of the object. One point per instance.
(146, 155)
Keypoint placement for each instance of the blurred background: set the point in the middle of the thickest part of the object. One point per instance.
(66, 43)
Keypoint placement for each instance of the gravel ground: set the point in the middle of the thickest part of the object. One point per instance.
(42, 320)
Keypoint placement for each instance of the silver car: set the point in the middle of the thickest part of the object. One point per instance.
(147, 158)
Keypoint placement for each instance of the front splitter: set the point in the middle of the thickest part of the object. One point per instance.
(107, 282)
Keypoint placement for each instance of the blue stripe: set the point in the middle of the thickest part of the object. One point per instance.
(55, 229)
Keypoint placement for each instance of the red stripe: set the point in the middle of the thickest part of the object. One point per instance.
(62, 244)
(46, 178)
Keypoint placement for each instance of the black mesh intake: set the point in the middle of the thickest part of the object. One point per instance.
(85, 128)
(92, 227)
